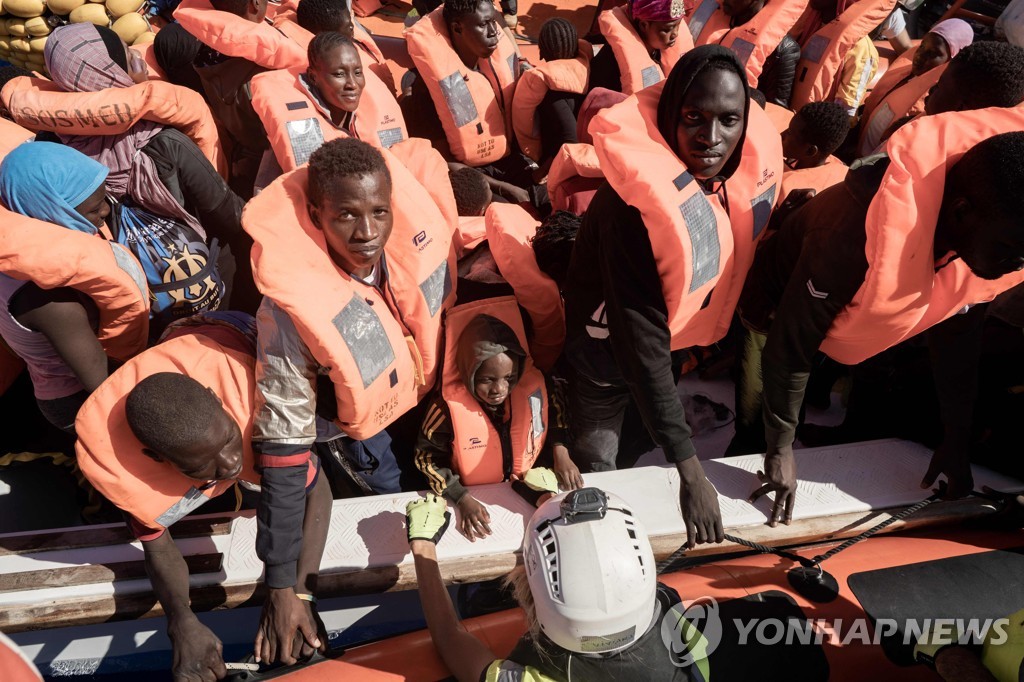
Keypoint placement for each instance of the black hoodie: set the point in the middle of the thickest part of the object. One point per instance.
(613, 265)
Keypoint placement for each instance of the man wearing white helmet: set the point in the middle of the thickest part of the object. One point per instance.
(594, 607)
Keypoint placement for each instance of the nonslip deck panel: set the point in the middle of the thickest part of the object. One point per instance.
(958, 587)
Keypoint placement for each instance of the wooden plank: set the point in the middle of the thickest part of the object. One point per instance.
(77, 538)
(98, 573)
(106, 608)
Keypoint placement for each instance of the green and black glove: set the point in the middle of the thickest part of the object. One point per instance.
(427, 518)
(536, 483)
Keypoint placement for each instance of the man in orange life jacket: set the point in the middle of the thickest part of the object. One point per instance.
(984, 74)
(804, 278)
(618, 334)
(474, 34)
(160, 443)
(349, 201)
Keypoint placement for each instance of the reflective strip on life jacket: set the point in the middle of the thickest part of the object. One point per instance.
(898, 70)
(476, 446)
(636, 67)
(563, 75)
(156, 493)
(754, 41)
(39, 104)
(903, 294)
(52, 256)
(821, 59)
(509, 231)
(233, 36)
(895, 101)
(359, 332)
(819, 178)
(296, 126)
(474, 105)
(702, 253)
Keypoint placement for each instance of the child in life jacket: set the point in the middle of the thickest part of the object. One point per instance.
(611, 621)
(814, 134)
(496, 416)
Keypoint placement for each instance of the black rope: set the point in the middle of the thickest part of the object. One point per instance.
(765, 549)
(913, 509)
(804, 561)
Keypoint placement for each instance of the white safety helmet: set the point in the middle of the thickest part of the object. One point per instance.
(591, 571)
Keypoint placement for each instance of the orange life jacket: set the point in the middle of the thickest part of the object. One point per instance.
(476, 446)
(562, 75)
(754, 41)
(509, 231)
(636, 67)
(573, 178)
(297, 125)
(152, 66)
(231, 35)
(897, 71)
(820, 178)
(779, 116)
(155, 493)
(39, 104)
(382, 348)
(286, 22)
(822, 57)
(16, 665)
(474, 105)
(365, 8)
(892, 99)
(12, 135)
(702, 253)
(431, 170)
(902, 294)
(470, 233)
(105, 271)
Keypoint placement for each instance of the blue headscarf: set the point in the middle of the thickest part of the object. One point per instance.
(46, 181)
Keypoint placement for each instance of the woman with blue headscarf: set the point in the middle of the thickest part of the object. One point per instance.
(54, 330)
